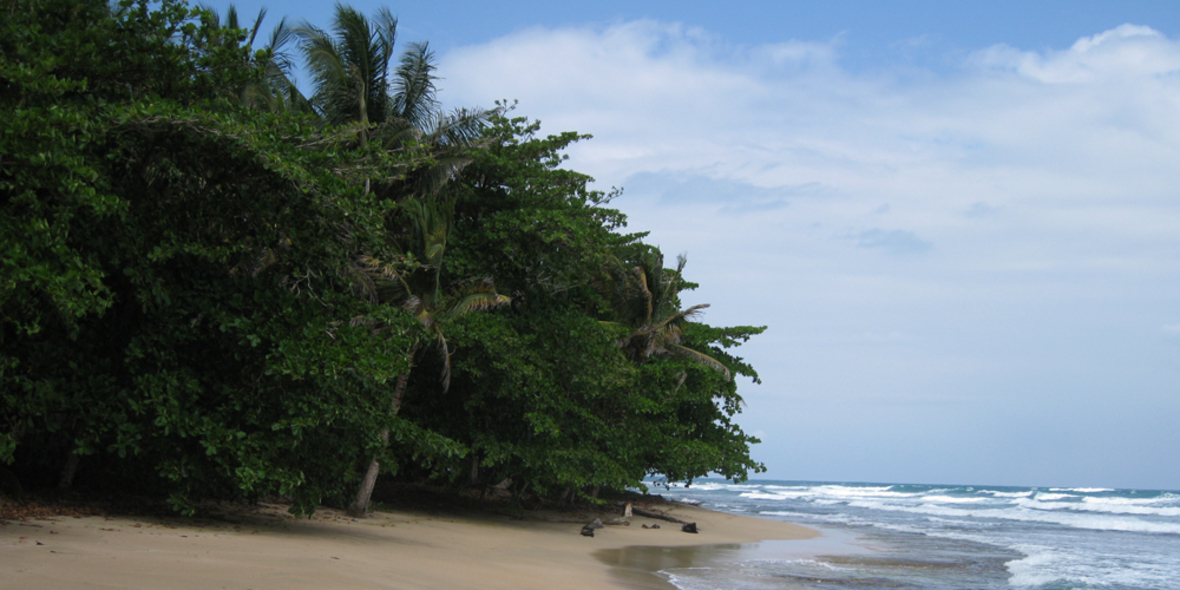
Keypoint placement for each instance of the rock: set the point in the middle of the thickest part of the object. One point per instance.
(690, 528)
(596, 524)
(587, 531)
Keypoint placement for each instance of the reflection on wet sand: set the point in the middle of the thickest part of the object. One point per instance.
(637, 567)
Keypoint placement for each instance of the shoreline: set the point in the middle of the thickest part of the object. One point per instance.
(267, 548)
(639, 567)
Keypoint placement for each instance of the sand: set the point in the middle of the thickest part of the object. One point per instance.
(268, 549)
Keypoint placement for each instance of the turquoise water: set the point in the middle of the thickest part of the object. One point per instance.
(927, 537)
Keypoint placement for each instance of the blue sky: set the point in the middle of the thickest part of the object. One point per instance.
(960, 220)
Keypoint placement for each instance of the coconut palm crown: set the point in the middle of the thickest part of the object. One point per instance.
(645, 300)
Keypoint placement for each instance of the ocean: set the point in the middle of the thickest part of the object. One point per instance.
(943, 537)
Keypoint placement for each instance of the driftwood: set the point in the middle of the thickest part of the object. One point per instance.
(656, 514)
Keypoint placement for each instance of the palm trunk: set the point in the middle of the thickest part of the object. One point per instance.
(360, 506)
(473, 476)
(68, 470)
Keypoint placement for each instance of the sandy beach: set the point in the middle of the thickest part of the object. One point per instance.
(268, 549)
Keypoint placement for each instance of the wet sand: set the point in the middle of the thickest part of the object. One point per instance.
(638, 567)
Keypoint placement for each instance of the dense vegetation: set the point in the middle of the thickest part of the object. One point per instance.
(212, 286)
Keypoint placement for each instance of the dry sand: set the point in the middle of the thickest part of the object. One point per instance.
(269, 549)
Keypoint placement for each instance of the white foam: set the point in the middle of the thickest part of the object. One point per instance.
(1040, 568)
(780, 513)
(1042, 496)
(1165, 499)
(841, 491)
(1128, 506)
(1007, 494)
(741, 487)
(786, 494)
(957, 500)
(1082, 490)
(934, 509)
(787, 488)
(701, 486)
(1080, 520)
(1046, 565)
(1140, 506)
(767, 496)
(684, 582)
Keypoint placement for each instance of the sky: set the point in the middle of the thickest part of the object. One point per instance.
(960, 220)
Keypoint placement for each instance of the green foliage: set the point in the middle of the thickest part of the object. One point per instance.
(179, 280)
(208, 290)
(551, 399)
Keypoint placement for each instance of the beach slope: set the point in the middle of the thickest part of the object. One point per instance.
(268, 549)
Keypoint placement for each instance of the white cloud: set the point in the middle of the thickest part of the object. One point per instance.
(780, 134)
(1033, 201)
(665, 97)
(1127, 51)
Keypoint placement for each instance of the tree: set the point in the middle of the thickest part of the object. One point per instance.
(350, 72)
(645, 301)
(353, 85)
(418, 290)
(179, 297)
(201, 291)
(544, 396)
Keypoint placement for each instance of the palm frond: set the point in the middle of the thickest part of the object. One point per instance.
(350, 68)
(475, 301)
(646, 300)
(414, 93)
(281, 63)
(460, 127)
(257, 25)
(383, 281)
(700, 358)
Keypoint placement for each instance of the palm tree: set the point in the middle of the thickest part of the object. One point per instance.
(276, 92)
(354, 85)
(645, 299)
(416, 118)
(350, 71)
(419, 291)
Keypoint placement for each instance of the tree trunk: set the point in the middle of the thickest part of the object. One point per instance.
(360, 506)
(68, 470)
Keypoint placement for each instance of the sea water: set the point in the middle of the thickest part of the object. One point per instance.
(947, 537)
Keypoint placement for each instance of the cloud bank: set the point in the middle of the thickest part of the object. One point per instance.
(1016, 213)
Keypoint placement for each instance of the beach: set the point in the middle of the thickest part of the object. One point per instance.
(266, 548)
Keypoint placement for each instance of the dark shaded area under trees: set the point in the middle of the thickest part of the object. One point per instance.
(213, 287)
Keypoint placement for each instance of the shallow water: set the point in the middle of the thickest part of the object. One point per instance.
(923, 537)
(642, 567)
